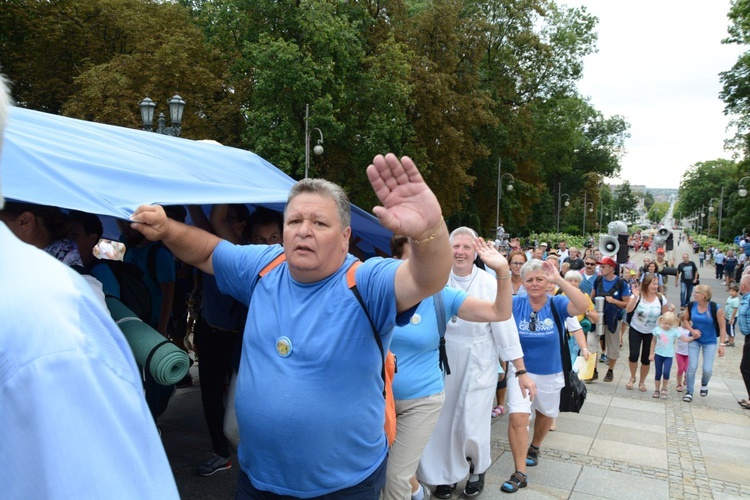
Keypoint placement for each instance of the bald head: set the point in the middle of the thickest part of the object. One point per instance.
(745, 284)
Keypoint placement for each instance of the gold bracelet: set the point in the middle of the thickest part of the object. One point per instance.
(431, 237)
(504, 277)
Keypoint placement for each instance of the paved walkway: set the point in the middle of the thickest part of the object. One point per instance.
(624, 444)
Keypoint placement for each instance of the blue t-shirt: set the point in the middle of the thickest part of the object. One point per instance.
(665, 340)
(704, 323)
(587, 283)
(541, 347)
(309, 397)
(165, 273)
(220, 310)
(101, 271)
(416, 348)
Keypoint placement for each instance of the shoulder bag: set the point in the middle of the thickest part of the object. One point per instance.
(573, 395)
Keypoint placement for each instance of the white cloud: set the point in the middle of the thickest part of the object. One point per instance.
(658, 66)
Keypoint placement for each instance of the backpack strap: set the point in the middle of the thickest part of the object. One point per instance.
(151, 261)
(272, 265)
(351, 283)
(565, 356)
(437, 300)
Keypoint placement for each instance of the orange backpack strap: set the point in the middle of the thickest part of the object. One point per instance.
(388, 369)
(272, 265)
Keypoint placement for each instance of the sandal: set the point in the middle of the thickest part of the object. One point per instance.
(532, 456)
(517, 480)
(498, 411)
(629, 385)
(679, 388)
(745, 405)
(642, 387)
(663, 394)
(655, 395)
(687, 397)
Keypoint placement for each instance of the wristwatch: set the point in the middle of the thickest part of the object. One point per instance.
(520, 372)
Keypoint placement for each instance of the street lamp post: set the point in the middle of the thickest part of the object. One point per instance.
(741, 188)
(710, 212)
(318, 149)
(176, 108)
(559, 203)
(586, 205)
(500, 177)
(721, 211)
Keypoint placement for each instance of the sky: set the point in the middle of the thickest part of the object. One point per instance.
(658, 66)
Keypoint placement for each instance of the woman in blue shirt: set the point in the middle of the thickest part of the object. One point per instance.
(702, 326)
(540, 340)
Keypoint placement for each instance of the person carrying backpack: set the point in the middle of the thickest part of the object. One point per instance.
(423, 363)
(615, 291)
(705, 321)
(309, 390)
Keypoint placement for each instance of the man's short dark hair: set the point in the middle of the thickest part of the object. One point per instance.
(263, 216)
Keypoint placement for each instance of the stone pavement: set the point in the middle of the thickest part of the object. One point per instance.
(624, 444)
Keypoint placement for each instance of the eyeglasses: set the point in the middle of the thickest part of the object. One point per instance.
(532, 322)
(517, 264)
(591, 264)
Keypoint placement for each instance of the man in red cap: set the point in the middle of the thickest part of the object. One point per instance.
(615, 291)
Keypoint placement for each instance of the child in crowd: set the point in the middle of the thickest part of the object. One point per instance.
(663, 350)
(730, 311)
(681, 354)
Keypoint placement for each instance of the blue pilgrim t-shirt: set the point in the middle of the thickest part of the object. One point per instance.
(541, 347)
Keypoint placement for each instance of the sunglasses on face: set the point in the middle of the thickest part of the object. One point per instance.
(591, 264)
(532, 322)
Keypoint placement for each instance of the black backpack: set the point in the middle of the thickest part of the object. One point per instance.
(712, 311)
(134, 293)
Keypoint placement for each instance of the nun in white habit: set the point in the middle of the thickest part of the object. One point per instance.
(463, 428)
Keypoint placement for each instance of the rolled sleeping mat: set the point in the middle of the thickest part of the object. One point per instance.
(167, 363)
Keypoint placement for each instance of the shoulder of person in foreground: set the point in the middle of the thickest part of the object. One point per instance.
(73, 357)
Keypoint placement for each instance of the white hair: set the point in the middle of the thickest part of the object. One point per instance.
(4, 107)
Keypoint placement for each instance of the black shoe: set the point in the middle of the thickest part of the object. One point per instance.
(474, 488)
(609, 376)
(444, 491)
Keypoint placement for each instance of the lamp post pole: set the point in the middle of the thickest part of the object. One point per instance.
(318, 149)
(710, 211)
(499, 194)
(559, 203)
(741, 188)
(500, 177)
(590, 209)
(176, 109)
(721, 210)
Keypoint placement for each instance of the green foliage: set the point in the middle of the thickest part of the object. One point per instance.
(552, 239)
(657, 211)
(457, 85)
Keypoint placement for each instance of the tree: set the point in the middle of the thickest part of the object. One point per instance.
(96, 59)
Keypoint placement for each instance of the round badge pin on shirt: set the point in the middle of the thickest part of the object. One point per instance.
(416, 319)
(284, 347)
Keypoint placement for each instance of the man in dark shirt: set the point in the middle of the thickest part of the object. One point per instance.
(687, 277)
(574, 259)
